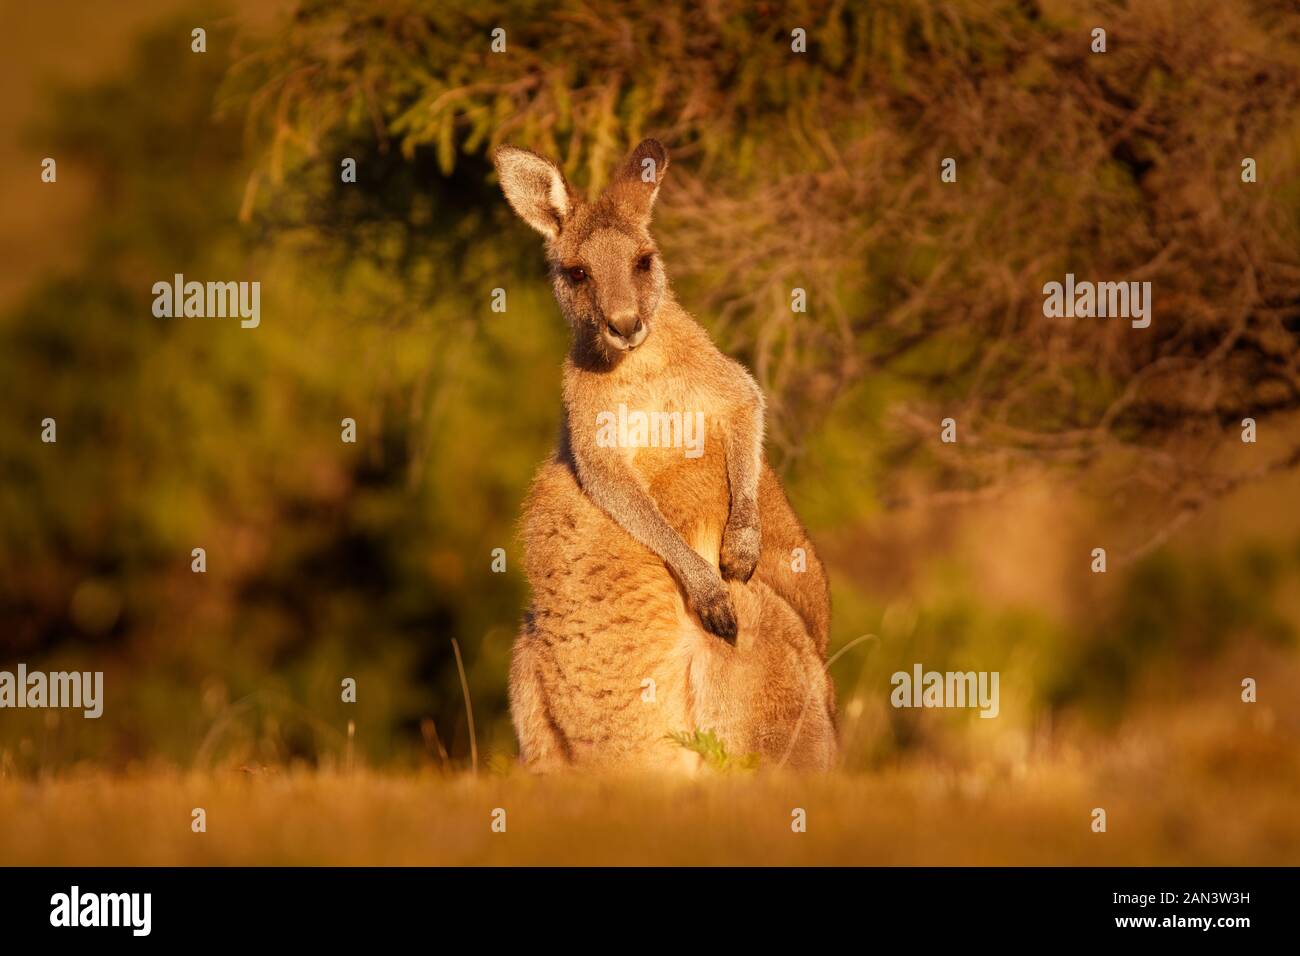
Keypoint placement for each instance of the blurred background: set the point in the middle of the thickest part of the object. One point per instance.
(819, 171)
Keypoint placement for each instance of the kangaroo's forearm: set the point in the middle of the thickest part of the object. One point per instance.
(619, 495)
(744, 448)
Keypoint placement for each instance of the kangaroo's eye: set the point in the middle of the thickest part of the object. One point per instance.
(645, 262)
(577, 275)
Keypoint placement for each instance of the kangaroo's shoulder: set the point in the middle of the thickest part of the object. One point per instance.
(694, 348)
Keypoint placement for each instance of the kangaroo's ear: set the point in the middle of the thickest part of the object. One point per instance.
(636, 184)
(535, 189)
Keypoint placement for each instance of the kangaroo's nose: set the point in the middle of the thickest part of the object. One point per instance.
(625, 325)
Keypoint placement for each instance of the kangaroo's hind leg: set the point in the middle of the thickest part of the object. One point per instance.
(788, 564)
(542, 746)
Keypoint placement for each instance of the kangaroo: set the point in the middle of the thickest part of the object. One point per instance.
(673, 587)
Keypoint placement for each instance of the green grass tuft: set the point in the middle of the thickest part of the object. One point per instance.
(714, 751)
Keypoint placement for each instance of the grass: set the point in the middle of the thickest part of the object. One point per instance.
(916, 815)
(713, 751)
(1185, 779)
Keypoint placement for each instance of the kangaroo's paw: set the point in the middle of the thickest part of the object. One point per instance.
(712, 602)
(740, 549)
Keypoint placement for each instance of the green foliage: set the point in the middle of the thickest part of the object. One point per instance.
(714, 751)
(1173, 614)
(325, 559)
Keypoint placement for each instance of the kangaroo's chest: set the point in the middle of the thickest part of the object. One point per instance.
(673, 435)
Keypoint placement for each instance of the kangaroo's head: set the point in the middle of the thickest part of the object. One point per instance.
(605, 269)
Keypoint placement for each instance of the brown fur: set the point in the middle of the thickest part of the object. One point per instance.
(646, 565)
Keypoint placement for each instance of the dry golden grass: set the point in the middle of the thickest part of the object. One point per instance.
(1186, 779)
(1038, 815)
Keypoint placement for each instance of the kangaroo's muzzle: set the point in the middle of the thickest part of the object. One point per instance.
(626, 330)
